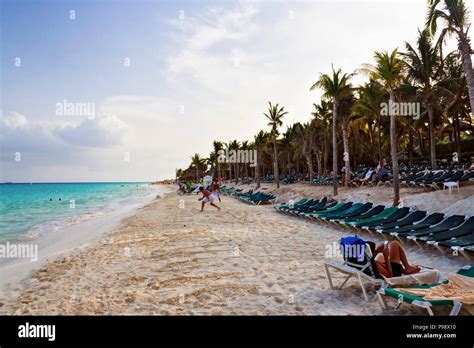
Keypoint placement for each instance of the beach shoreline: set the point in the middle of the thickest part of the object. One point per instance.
(167, 258)
(16, 272)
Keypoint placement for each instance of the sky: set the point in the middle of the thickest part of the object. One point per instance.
(163, 79)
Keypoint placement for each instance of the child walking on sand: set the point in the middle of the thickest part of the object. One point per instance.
(207, 197)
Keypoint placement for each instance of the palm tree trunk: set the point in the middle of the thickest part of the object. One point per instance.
(218, 170)
(334, 147)
(309, 162)
(466, 51)
(236, 173)
(326, 154)
(318, 159)
(257, 171)
(347, 171)
(379, 129)
(393, 151)
(275, 163)
(420, 140)
(457, 136)
(371, 136)
(410, 147)
(288, 166)
(432, 138)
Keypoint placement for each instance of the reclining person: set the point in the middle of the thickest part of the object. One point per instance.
(391, 260)
(367, 177)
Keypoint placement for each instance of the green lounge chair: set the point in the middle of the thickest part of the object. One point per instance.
(419, 301)
(386, 212)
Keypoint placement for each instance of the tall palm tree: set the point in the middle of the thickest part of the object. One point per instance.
(235, 145)
(388, 71)
(286, 144)
(334, 88)
(455, 15)
(455, 93)
(275, 115)
(198, 164)
(322, 115)
(179, 173)
(306, 139)
(245, 146)
(217, 146)
(345, 109)
(259, 141)
(229, 165)
(425, 70)
(367, 112)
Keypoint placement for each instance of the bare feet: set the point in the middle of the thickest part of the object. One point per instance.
(412, 269)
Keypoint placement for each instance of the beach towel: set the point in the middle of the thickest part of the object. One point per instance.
(458, 288)
(353, 249)
(425, 276)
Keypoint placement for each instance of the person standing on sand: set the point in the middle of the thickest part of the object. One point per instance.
(207, 197)
(216, 190)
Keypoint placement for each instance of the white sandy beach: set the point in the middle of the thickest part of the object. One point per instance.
(168, 258)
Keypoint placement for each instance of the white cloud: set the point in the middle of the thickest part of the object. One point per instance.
(14, 120)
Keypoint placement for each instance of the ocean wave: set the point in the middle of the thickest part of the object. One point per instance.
(38, 230)
(57, 224)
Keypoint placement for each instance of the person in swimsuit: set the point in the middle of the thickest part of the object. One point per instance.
(207, 197)
(391, 260)
(216, 190)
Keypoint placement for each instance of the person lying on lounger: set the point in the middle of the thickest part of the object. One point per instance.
(366, 178)
(391, 260)
(207, 197)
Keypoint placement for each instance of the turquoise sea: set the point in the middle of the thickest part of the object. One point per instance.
(28, 210)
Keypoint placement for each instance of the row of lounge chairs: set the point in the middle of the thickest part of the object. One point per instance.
(250, 196)
(454, 232)
(436, 179)
(421, 178)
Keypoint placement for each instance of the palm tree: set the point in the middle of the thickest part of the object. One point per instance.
(455, 103)
(217, 146)
(259, 141)
(367, 113)
(455, 15)
(425, 70)
(322, 115)
(229, 164)
(287, 144)
(198, 164)
(306, 139)
(235, 145)
(275, 115)
(245, 146)
(388, 71)
(179, 173)
(334, 88)
(345, 108)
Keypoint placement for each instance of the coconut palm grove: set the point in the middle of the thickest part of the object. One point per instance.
(413, 111)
